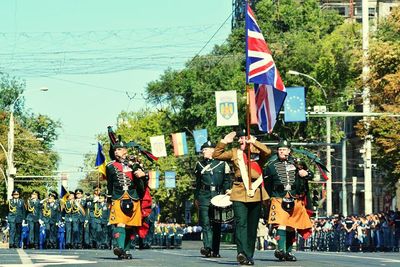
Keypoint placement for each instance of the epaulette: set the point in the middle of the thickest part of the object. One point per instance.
(110, 163)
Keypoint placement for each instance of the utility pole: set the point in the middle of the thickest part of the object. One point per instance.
(329, 167)
(366, 109)
(11, 170)
(344, 174)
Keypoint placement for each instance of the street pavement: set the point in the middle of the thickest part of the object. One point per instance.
(189, 256)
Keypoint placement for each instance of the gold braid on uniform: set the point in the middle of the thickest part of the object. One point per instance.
(30, 208)
(46, 210)
(97, 212)
(74, 207)
(68, 210)
(12, 208)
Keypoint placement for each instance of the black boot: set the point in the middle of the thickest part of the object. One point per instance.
(241, 258)
(205, 252)
(290, 257)
(280, 255)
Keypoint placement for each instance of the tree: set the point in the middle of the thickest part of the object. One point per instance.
(34, 138)
(384, 84)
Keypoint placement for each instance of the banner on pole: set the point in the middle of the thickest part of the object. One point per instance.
(295, 104)
(154, 179)
(226, 105)
(200, 137)
(158, 146)
(179, 143)
(169, 179)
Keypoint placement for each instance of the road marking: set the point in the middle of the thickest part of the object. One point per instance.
(25, 259)
(358, 257)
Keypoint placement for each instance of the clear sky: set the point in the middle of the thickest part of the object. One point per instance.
(90, 53)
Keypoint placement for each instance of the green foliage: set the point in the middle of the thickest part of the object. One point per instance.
(384, 83)
(34, 137)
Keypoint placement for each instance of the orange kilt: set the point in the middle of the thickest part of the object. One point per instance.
(117, 216)
(298, 219)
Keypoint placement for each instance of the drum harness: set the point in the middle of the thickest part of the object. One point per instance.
(208, 168)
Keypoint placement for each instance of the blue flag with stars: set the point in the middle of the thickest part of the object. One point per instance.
(295, 104)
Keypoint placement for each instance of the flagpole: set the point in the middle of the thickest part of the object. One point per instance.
(248, 133)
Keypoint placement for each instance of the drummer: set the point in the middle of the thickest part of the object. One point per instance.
(212, 179)
(246, 197)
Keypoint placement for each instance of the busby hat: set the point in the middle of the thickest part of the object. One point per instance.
(120, 144)
(78, 191)
(284, 143)
(207, 144)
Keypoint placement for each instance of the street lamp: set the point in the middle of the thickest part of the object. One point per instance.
(293, 72)
(328, 146)
(11, 170)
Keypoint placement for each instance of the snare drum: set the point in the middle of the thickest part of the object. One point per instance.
(221, 210)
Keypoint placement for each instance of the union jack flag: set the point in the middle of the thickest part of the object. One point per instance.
(261, 70)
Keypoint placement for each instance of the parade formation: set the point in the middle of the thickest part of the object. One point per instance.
(244, 185)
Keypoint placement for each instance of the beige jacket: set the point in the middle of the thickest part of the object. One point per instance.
(238, 190)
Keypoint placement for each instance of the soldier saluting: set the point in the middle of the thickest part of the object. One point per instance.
(212, 178)
(246, 200)
(16, 214)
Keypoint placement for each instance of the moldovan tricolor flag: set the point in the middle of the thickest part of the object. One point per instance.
(154, 179)
(180, 145)
(226, 104)
(101, 160)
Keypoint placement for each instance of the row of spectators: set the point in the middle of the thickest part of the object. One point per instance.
(370, 233)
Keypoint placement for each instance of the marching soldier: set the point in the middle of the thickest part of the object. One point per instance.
(78, 219)
(33, 208)
(126, 184)
(212, 178)
(286, 183)
(68, 206)
(103, 229)
(50, 217)
(16, 214)
(246, 200)
(90, 229)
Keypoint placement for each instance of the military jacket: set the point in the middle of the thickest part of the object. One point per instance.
(238, 189)
(51, 212)
(16, 210)
(212, 178)
(281, 177)
(105, 212)
(91, 208)
(121, 180)
(33, 208)
(68, 211)
(79, 210)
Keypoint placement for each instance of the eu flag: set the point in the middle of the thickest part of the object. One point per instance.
(295, 104)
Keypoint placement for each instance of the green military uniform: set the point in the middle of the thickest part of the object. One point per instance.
(78, 219)
(103, 232)
(16, 214)
(288, 191)
(50, 216)
(125, 191)
(246, 200)
(68, 206)
(33, 208)
(212, 179)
